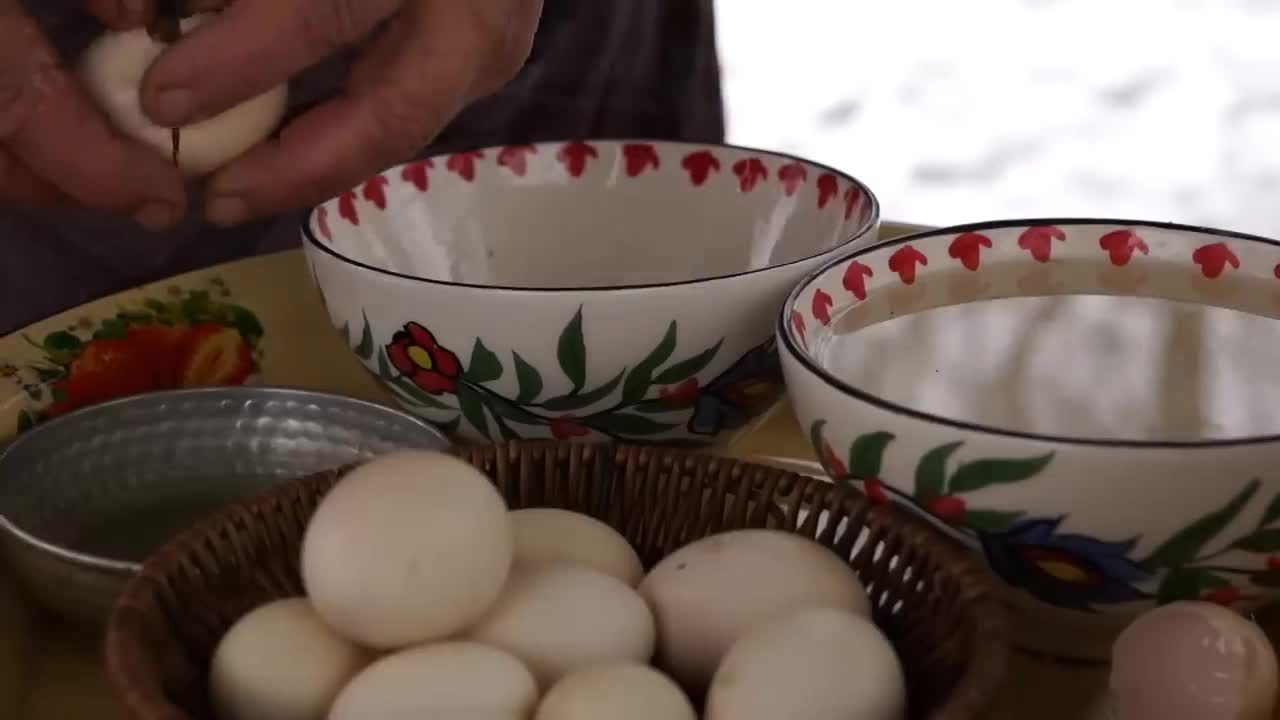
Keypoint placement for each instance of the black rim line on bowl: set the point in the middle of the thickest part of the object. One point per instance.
(872, 221)
(788, 341)
(97, 562)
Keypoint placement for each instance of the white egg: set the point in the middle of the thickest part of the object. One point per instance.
(618, 691)
(553, 535)
(412, 547)
(281, 662)
(558, 618)
(445, 681)
(1193, 661)
(817, 663)
(708, 594)
(112, 70)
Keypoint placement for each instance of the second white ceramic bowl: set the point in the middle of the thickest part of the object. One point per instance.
(597, 289)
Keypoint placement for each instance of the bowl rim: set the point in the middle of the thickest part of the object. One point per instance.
(873, 221)
(810, 365)
(90, 561)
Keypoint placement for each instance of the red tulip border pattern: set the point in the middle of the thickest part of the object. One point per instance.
(749, 173)
(1121, 247)
(1068, 569)
(640, 403)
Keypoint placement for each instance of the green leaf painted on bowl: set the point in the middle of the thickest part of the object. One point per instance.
(365, 349)
(866, 454)
(641, 376)
(992, 521)
(931, 472)
(1266, 540)
(1188, 583)
(571, 351)
(471, 403)
(687, 368)
(484, 366)
(569, 403)
(1185, 546)
(979, 474)
(1272, 513)
(528, 380)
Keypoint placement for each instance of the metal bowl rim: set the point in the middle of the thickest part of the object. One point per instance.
(123, 567)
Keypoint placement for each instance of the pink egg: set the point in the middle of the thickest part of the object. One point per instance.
(1193, 661)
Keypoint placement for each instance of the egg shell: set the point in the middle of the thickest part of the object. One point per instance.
(708, 594)
(281, 662)
(412, 547)
(444, 681)
(618, 691)
(554, 535)
(814, 663)
(112, 70)
(558, 618)
(1193, 661)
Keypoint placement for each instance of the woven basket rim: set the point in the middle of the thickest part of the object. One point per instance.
(982, 594)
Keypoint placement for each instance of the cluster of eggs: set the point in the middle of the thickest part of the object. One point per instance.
(427, 597)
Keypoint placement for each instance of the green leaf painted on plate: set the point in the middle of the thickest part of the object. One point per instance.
(992, 521)
(866, 454)
(1188, 583)
(112, 329)
(528, 379)
(50, 374)
(571, 351)
(484, 366)
(346, 333)
(656, 407)
(931, 472)
(62, 342)
(628, 425)
(365, 349)
(687, 368)
(26, 421)
(1188, 543)
(1266, 540)
(471, 403)
(569, 403)
(978, 474)
(641, 376)
(507, 432)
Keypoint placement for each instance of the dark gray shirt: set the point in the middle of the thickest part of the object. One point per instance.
(600, 68)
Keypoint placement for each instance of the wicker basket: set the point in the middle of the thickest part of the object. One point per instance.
(936, 604)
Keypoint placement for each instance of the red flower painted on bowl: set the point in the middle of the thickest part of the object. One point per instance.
(415, 354)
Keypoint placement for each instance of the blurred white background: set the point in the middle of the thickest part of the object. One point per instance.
(960, 110)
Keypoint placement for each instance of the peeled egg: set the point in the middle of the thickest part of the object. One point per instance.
(281, 662)
(708, 594)
(445, 681)
(412, 547)
(1193, 661)
(558, 618)
(112, 70)
(620, 691)
(554, 535)
(815, 663)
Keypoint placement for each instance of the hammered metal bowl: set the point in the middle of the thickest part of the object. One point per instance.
(85, 498)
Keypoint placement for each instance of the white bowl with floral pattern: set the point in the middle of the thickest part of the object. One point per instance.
(586, 289)
(1087, 530)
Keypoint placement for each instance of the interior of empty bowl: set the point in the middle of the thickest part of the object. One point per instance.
(1070, 330)
(113, 482)
(594, 214)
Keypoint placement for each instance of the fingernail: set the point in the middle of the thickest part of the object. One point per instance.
(227, 210)
(156, 216)
(173, 106)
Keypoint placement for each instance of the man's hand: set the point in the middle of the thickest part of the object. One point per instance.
(423, 62)
(56, 148)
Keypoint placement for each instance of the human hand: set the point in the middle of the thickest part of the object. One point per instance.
(57, 149)
(426, 62)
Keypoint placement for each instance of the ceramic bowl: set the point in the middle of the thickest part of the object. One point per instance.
(581, 290)
(1087, 527)
(86, 497)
